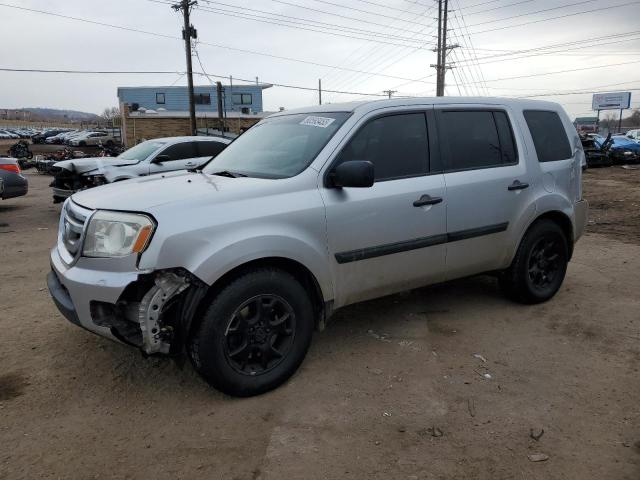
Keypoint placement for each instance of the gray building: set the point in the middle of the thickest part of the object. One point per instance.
(245, 99)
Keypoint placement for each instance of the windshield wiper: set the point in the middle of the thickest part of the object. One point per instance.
(227, 173)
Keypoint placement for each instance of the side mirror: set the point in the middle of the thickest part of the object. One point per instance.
(354, 173)
(161, 158)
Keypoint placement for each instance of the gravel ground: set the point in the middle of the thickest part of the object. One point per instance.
(395, 388)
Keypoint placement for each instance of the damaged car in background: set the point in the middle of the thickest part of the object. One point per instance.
(149, 157)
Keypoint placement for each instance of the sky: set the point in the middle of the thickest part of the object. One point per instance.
(362, 47)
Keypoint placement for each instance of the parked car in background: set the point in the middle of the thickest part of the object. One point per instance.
(634, 135)
(14, 184)
(42, 136)
(153, 156)
(621, 149)
(55, 139)
(312, 210)
(596, 154)
(8, 134)
(92, 139)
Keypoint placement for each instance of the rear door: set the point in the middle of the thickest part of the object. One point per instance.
(182, 156)
(388, 238)
(488, 187)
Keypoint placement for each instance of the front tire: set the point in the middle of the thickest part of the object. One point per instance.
(540, 264)
(255, 334)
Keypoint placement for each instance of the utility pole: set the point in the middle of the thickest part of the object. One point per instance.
(439, 62)
(188, 32)
(389, 92)
(219, 94)
(319, 91)
(442, 48)
(443, 51)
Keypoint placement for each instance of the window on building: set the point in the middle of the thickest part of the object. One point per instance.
(549, 135)
(180, 151)
(242, 98)
(160, 98)
(477, 139)
(202, 99)
(397, 145)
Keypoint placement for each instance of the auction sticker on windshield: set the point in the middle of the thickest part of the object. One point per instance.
(322, 122)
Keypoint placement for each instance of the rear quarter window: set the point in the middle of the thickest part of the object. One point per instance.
(549, 135)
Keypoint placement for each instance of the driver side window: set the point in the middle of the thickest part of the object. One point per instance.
(180, 151)
(397, 145)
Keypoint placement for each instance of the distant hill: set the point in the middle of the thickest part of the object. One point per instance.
(47, 115)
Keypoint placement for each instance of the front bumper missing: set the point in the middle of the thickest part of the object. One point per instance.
(133, 307)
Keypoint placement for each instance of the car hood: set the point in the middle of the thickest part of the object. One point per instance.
(144, 193)
(84, 165)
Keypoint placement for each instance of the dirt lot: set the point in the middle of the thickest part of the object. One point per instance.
(378, 388)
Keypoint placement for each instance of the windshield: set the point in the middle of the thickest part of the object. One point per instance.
(278, 147)
(141, 151)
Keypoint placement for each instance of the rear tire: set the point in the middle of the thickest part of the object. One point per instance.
(255, 334)
(539, 266)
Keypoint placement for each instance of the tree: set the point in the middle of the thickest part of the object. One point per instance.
(110, 113)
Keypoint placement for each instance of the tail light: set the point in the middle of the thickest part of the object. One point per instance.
(10, 167)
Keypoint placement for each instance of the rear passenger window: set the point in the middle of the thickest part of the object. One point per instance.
(477, 139)
(549, 135)
(397, 146)
(210, 149)
(181, 151)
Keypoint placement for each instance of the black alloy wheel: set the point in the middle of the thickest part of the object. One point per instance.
(254, 333)
(260, 334)
(544, 262)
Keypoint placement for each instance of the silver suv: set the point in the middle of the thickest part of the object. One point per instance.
(315, 209)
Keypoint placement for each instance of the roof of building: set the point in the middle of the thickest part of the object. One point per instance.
(262, 86)
(147, 113)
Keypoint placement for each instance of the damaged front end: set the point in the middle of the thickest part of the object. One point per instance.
(66, 182)
(154, 313)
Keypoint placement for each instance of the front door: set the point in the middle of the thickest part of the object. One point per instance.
(388, 237)
(182, 156)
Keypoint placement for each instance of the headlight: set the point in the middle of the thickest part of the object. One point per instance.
(117, 234)
(627, 152)
(97, 179)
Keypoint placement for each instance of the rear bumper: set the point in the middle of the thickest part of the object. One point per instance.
(14, 186)
(581, 210)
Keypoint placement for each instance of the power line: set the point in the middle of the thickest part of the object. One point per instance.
(533, 13)
(290, 24)
(560, 47)
(324, 12)
(556, 18)
(563, 71)
(382, 59)
(216, 45)
(138, 72)
(499, 7)
(299, 19)
(369, 12)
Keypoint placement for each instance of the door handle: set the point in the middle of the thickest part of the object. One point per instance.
(518, 185)
(427, 200)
